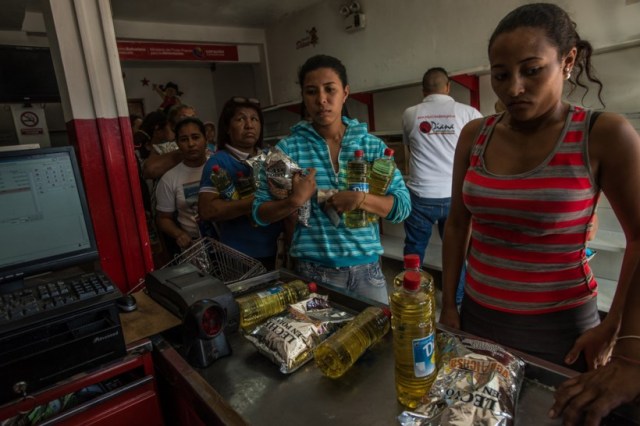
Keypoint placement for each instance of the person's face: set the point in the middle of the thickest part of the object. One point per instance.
(210, 133)
(170, 92)
(162, 134)
(136, 125)
(526, 73)
(192, 143)
(324, 96)
(244, 129)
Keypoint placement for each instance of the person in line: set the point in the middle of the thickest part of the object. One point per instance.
(177, 190)
(239, 138)
(166, 155)
(526, 184)
(431, 130)
(211, 136)
(337, 256)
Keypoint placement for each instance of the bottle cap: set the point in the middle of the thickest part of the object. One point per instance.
(359, 153)
(411, 261)
(313, 287)
(411, 280)
(215, 168)
(388, 152)
(386, 311)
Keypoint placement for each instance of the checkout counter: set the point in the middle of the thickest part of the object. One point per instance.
(247, 388)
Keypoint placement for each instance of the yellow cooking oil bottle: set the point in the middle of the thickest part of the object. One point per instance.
(414, 340)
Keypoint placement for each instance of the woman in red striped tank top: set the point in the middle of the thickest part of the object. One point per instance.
(526, 184)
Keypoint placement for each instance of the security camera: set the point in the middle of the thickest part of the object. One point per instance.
(354, 7)
(344, 10)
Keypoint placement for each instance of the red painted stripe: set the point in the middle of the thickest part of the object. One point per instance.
(105, 157)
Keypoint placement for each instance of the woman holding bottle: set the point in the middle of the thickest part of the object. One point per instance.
(239, 138)
(323, 252)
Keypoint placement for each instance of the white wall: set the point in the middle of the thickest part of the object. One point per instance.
(402, 39)
(194, 81)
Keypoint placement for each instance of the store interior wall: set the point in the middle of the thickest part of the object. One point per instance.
(391, 52)
(194, 81)
(399, 43)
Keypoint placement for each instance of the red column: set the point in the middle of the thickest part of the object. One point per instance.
(85, 57)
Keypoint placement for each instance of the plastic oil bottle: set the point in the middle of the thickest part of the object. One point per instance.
(342, 349)
(412, 263)
(244, 185)
(357, 180)
(257, 307)
(223, 183)
(414, 340)
(380, 177)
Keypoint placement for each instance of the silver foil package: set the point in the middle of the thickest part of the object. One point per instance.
(285, 340)
(257, 164)
(478, 383)
(280, 170)
(289, 340)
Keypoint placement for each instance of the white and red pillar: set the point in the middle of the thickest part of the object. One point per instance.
(85, 56)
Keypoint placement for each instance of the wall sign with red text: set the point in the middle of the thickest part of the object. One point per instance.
(138, 50)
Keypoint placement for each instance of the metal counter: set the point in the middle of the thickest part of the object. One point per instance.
(253, 386)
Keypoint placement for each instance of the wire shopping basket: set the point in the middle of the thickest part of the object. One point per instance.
(219, 260)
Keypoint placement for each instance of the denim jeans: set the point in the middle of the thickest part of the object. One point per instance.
(363, 280)
(426, 212)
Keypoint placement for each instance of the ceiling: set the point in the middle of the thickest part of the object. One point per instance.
(228, 13)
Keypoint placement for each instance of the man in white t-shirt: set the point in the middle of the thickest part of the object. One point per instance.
(431, 130)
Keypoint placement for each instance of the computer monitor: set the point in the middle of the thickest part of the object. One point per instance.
(44, 217)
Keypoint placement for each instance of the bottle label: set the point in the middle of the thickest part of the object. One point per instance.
(269, 292)
(359, 186)
(424, 362)
(228, 193)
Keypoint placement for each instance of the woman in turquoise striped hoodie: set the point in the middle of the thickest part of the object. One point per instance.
(334, 255)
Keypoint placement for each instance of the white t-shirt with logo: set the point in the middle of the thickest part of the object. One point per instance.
(177, 191)
(431, 129)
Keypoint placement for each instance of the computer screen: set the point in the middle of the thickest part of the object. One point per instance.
(44, 217)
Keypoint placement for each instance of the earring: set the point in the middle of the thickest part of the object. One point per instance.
(567, 75)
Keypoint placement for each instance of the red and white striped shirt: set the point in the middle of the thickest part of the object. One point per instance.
(529, 230)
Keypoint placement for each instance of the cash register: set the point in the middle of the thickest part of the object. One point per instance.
(58, 313)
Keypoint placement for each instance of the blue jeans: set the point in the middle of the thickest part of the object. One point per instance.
(426, 212)
(363, 280)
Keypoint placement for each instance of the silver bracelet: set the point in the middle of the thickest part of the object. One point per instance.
(629, 336)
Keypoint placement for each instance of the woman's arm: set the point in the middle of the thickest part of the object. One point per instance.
(157, 165)
(457, 228)
(614, 152)
(615, 157)
(587, 398)
(302, 189)
(212, 207)
(167, 225)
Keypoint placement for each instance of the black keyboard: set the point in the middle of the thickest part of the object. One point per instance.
(53, 295)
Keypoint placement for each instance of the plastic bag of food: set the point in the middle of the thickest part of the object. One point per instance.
(317, 309)
(257, 164)
(280, 170)
(478, 383)
(289, 340)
